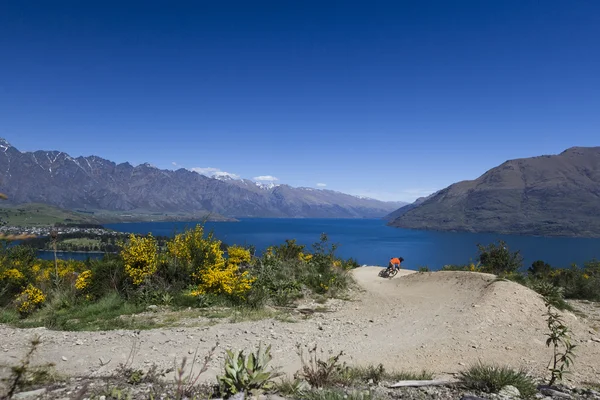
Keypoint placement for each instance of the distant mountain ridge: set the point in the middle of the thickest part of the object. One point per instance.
(94, 183)
(551, 195)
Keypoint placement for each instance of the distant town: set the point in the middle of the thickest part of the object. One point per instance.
(60, 230)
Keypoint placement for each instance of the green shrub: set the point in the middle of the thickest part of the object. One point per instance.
(553, 295)
(492, 378)
(539, 269)
(319, 373)
(359, 374)
(247, 375)
(498, 259)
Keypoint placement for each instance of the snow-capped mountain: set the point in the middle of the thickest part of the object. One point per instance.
(55, 178)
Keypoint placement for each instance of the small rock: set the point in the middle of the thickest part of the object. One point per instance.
(64, 358)
(509, 392)
(78, 343)
(102, 397)
(191, 351)
(595, 339)
(555, 393)
(152, 307)
(32, 393)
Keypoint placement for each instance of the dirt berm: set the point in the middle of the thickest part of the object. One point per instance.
(439, 321)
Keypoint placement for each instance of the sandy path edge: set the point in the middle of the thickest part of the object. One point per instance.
(439, 321)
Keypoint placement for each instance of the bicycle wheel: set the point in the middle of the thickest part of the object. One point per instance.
(392, 272)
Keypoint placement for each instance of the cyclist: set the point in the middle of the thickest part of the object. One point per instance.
(395, 262)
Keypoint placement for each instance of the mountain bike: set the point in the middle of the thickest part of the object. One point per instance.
(389, 272)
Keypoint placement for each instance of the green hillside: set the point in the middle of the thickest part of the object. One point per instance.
(35, 214)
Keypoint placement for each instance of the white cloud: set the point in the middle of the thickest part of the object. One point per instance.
(321, 184)
(265, 178)
(174, 163)
(214, 172)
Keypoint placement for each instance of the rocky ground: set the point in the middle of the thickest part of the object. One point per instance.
(441, 322)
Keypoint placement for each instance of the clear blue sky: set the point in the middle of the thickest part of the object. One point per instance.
(387, 99)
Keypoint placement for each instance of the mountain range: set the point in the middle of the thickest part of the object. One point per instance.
(550, 195)
(94, 184)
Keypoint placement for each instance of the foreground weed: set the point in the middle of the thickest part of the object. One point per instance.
(319, 373)
(186, 386)
(336, 394)
(558, 337)
(492, 378)
(247, 374)
(378, 374)
(26, 375)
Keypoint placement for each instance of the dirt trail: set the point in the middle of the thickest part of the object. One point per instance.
(440, 321)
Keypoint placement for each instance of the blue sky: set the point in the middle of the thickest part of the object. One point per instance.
(386, 99)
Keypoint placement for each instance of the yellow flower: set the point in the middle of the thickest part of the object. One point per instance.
(586, 276)
(83, 280)
(29, 299)
(237, 255)
(140, 256)
(305, 257)
(11, 274)
(203, 258)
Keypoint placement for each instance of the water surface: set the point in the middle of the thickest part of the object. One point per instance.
(371, 242)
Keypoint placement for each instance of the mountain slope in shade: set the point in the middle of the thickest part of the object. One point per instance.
(557, 195)
(93, 183)
(404, 209)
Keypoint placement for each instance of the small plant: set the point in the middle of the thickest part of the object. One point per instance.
(424, 269)
(186, 385)
(319, 373)
(247, 374)
(492, 378)
(552, 294)
(292, 387)
(558, 337)
(337, 394)
(24, 374)
(378, 373)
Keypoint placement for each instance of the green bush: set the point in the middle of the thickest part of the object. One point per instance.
(249, 374)
(492, 378)
(498, 259)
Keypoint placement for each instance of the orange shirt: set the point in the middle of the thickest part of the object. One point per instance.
(395, 260)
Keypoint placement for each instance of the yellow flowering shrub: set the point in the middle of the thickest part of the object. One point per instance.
(202, 256)
(12, 274)
(140, 256)
(236, 255)
(83, 280)
(29, 299)
(305, 257)
(195, 252)
(224, 280)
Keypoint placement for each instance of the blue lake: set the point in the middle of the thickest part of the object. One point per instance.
(370, 241)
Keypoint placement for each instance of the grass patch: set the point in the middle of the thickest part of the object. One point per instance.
(8, 316)
(356, 374)
(336, 394)
(492, 378)
(104, 314)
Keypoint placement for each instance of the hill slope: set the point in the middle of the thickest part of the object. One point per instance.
(93, 183)
(556, 195)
